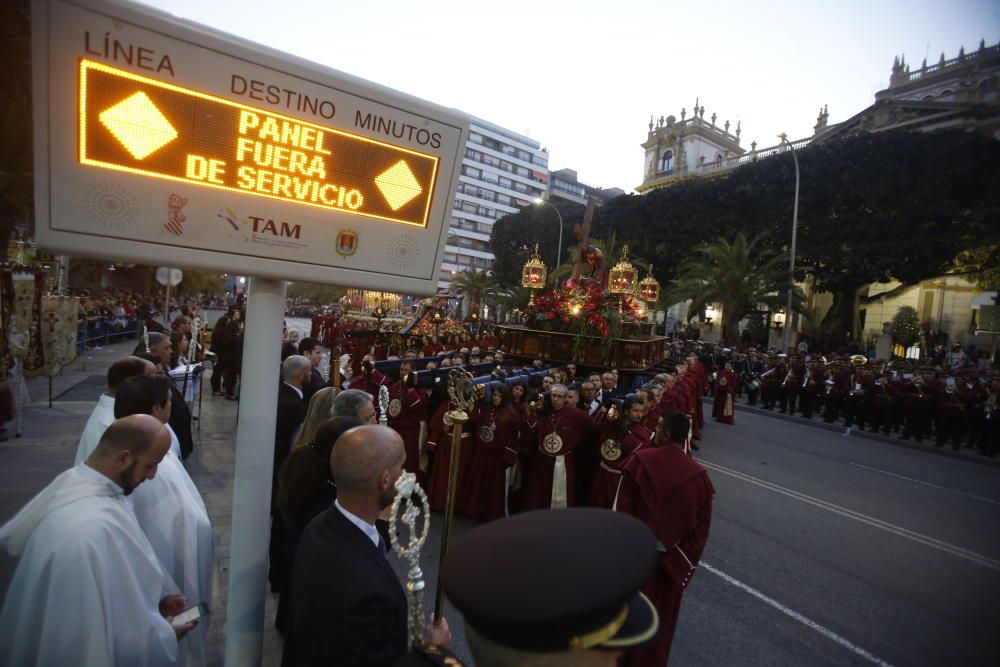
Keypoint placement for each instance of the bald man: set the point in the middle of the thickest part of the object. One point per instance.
(88, 589)
(348, 606)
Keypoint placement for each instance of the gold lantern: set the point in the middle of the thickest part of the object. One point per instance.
(534, 272)
(649, 288)
(621, 279)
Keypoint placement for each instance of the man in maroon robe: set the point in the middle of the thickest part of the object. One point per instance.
(725, 395)
(407, 409)
(557, 432)
(668, 491)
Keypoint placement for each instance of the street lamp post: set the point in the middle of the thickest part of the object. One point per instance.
(539, 201)
(791, 256)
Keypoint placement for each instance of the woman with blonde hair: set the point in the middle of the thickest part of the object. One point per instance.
(320, 409)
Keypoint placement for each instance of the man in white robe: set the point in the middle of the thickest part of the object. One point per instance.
(104, 412)
(171, 511)
(88, 590)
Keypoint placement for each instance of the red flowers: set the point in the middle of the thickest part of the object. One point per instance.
(584, 310)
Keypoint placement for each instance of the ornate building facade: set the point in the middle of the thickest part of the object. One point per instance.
(961, 92)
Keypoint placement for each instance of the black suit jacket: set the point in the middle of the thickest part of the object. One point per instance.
(348, 607)
(291, 413)
(180, 421)
(316, 383)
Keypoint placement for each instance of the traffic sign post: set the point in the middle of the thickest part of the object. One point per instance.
(168, 278)
(157, 138)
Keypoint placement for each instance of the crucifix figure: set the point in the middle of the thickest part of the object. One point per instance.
(588, 267)
(51, 318)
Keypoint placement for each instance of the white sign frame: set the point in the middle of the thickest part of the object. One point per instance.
(97, 212)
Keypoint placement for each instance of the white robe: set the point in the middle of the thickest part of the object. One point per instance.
(173, 515)
(87, 587)
(100, 419)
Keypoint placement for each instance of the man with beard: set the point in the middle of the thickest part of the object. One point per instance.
(88, 589)
(348, 606)
(557, 434)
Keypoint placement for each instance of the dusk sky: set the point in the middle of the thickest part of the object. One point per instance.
(583, 77)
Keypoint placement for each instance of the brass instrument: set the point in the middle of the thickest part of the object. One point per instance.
(829, 386)
(859, 359)
(805, 380)
(787, 378)
(990, 405)
(613, 413)
(918, 384)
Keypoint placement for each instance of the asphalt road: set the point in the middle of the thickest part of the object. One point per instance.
(829, 550)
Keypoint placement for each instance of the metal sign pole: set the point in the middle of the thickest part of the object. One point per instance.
(254, 463)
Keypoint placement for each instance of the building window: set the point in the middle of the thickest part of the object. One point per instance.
(667, 161)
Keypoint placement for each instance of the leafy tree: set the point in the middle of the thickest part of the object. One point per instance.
(737, 274)
(315, 293)
(16, 184)
(906, 327)
(515, 235)
(202, 282)
(907, 206)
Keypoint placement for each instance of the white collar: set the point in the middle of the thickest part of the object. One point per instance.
(297, 390)
(367, 528)
(87, 471)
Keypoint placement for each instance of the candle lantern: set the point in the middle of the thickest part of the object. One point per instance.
(621, 279)
(649, 288)
(534, 272)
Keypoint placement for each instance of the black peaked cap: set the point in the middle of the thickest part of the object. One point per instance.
(555, 580)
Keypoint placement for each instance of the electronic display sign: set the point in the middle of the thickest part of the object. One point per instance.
(164, 142)
(134, 123)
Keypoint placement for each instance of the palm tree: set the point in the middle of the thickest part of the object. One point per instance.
(476, 285)
(739, 275)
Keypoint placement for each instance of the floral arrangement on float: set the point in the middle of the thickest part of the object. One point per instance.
(584, 310)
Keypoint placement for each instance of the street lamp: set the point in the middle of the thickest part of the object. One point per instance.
(538, 202)
(779, 320)
(791, 258)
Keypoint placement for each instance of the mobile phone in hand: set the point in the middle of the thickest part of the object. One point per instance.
(191, 615)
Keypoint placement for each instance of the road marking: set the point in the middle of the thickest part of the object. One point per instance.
(809, 623)
(926, 540)
(918, 481)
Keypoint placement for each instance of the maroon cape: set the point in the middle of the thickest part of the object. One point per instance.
(439, 443)
(572, 426)
(413, 410)
(484, 488)
(670, 493)
(725, 397)
(613, 459)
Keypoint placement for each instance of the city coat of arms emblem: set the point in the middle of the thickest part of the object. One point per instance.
(347, 242)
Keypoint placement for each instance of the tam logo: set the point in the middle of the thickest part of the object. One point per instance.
(268, 226)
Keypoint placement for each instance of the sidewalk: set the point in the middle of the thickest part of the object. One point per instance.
(48, 446)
